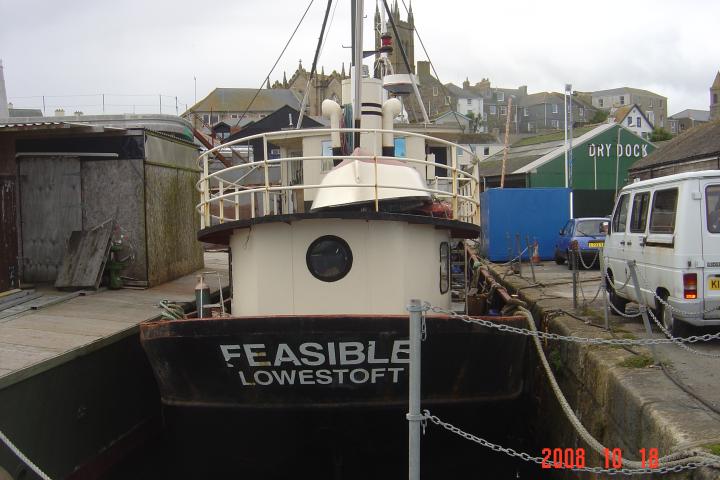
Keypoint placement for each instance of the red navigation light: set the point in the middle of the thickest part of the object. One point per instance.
(386, 40)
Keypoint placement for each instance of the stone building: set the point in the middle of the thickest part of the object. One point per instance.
(715, 98)
(406, 32)
(687, 119)
(654, 106)
(546, 111)
(322, 87)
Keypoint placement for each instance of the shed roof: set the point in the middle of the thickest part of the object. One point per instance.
(531, 152)
(697, 143)
(620, 90)
(25, 112)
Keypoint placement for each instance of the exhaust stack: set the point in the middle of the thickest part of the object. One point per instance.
(331, 109)
(390, 109)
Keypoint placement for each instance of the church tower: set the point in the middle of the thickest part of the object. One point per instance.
(715, 98)
(406, 31)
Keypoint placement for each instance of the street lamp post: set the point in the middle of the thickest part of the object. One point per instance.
(568, 143)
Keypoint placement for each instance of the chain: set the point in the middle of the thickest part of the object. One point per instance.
(571, 338)
(663, 301)
(623, 314)
(579, 255)
(677, 342)
(674, 465)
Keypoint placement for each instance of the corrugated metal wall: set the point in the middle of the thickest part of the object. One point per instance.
(8, 233)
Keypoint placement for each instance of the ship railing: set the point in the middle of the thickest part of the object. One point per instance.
(227, 195)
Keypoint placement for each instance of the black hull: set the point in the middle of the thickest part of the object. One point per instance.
(330, 362)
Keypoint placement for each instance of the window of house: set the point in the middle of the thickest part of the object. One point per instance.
(206, 118)
(233, 115)
(555, 123)
(662, 215)
(554, 108)
(214, 119)
(715, 99)
(673, 127)
(638, 218)
(629, 121)
(581, 112)
(435, 91)
(447, 100)
(525, 112)
(531, 126)
(503, 110)
(493, 109)
(620, 216)
(622, 99)
(501, 96)
(651, 103)
(660, 103)
(600, 102)
(486, 151)
(469, 101)
(638, 122)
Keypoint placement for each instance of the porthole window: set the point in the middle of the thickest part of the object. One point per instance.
(444, 267)
(329, 258)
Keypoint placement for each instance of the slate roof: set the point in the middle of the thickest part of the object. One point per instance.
(525, 152)
(699, 115)
(460, 92)
(618, 91)
(276, 121)
(716, 83)
(621, 114)
(697, 143)
(238, 99)
(25, 112)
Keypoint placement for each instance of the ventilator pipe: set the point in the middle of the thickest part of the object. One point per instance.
(331, 109)
(390, 109)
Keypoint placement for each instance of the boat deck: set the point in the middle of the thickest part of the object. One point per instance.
(38, 339)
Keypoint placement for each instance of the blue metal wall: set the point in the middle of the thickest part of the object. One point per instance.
(538, 213)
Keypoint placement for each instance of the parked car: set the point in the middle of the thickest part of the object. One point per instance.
(669, 228)
(589, 232)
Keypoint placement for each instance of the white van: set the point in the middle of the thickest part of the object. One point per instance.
(670, 226)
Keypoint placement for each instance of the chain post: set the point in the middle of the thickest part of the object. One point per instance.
(642, 307)
(530, 256)
(574, 264)
(518, 247)
(603, 284)
(414, 415)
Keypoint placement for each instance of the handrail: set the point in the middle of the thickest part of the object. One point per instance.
(217, 189)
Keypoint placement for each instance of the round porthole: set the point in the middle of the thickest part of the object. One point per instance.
(329, 258)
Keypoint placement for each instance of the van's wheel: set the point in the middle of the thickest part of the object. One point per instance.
(614, 299)
(558, 259)
(677, 328)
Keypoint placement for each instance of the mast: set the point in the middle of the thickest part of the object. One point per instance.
(356, 71)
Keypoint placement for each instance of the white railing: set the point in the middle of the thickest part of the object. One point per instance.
(224, 198)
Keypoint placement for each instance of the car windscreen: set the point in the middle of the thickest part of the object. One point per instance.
(591, 228)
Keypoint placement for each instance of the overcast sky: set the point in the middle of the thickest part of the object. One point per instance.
(149, 47)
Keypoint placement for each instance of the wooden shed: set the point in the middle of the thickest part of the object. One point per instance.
(60, 175)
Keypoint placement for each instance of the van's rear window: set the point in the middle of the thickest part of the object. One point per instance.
(664, 206)
(712, 203)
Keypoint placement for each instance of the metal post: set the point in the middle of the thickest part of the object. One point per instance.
(574, 263)
(103, 100)
(532, 267)
(601, 259)
(518, 246)
(413, 416)
(642, 307)
(160, 98)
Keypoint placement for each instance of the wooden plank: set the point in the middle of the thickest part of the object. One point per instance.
(55, 341)
(50, 205)
(14, 357)
(14, 291)
(67, 324)
(8, 233)
(19, 300)
(85, 258)
(4, 299)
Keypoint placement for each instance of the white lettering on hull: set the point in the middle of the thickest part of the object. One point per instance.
(361, 357)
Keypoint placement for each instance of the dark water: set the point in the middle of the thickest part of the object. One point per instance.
(363, 445)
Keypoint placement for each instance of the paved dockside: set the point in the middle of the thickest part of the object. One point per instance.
(623, 399)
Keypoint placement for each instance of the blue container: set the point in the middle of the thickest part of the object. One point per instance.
(537, 213)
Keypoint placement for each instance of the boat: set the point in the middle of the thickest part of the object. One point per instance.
(324, 263)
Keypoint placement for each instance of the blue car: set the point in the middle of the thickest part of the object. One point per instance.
(590, 235)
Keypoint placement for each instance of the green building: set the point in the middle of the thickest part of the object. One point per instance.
(601, 157)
